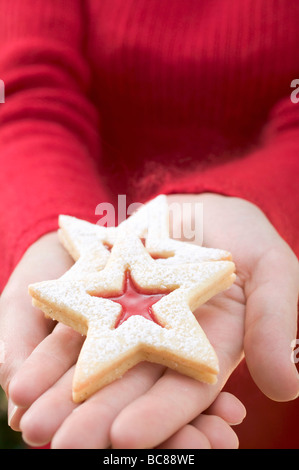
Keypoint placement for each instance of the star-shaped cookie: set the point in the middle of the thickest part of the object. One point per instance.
(89, 244)
(94, 297)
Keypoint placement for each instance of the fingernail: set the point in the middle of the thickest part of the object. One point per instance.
(12, 409)
(236, 424)
(11, 414)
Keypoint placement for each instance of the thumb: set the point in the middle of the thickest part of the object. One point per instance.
(271, 323)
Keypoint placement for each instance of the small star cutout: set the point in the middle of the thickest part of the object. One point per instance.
(134, 302)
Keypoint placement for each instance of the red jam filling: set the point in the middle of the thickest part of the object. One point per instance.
(134, 302)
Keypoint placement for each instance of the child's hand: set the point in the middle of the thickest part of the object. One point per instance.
(148, 406)
(41, 384)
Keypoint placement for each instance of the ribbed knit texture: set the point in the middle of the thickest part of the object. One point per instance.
(139, 97)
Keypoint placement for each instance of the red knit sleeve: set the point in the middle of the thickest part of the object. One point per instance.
(49, 141)
(266, 176)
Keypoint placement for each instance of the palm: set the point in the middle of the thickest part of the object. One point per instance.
(222, 318)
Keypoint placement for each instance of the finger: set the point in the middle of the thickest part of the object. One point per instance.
(14, 413)
(45, 415)
(271, 322)
(189, 437)
(211, 429)
(19, 337)
(46, 364)
(217, 431)
(102, 408)
(172, 401)
(228, 407)
(170, 404)
(51, 416)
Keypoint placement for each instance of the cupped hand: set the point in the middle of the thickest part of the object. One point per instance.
(152, 406)
(38, 372)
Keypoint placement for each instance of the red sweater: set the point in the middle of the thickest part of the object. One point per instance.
(139, 97)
